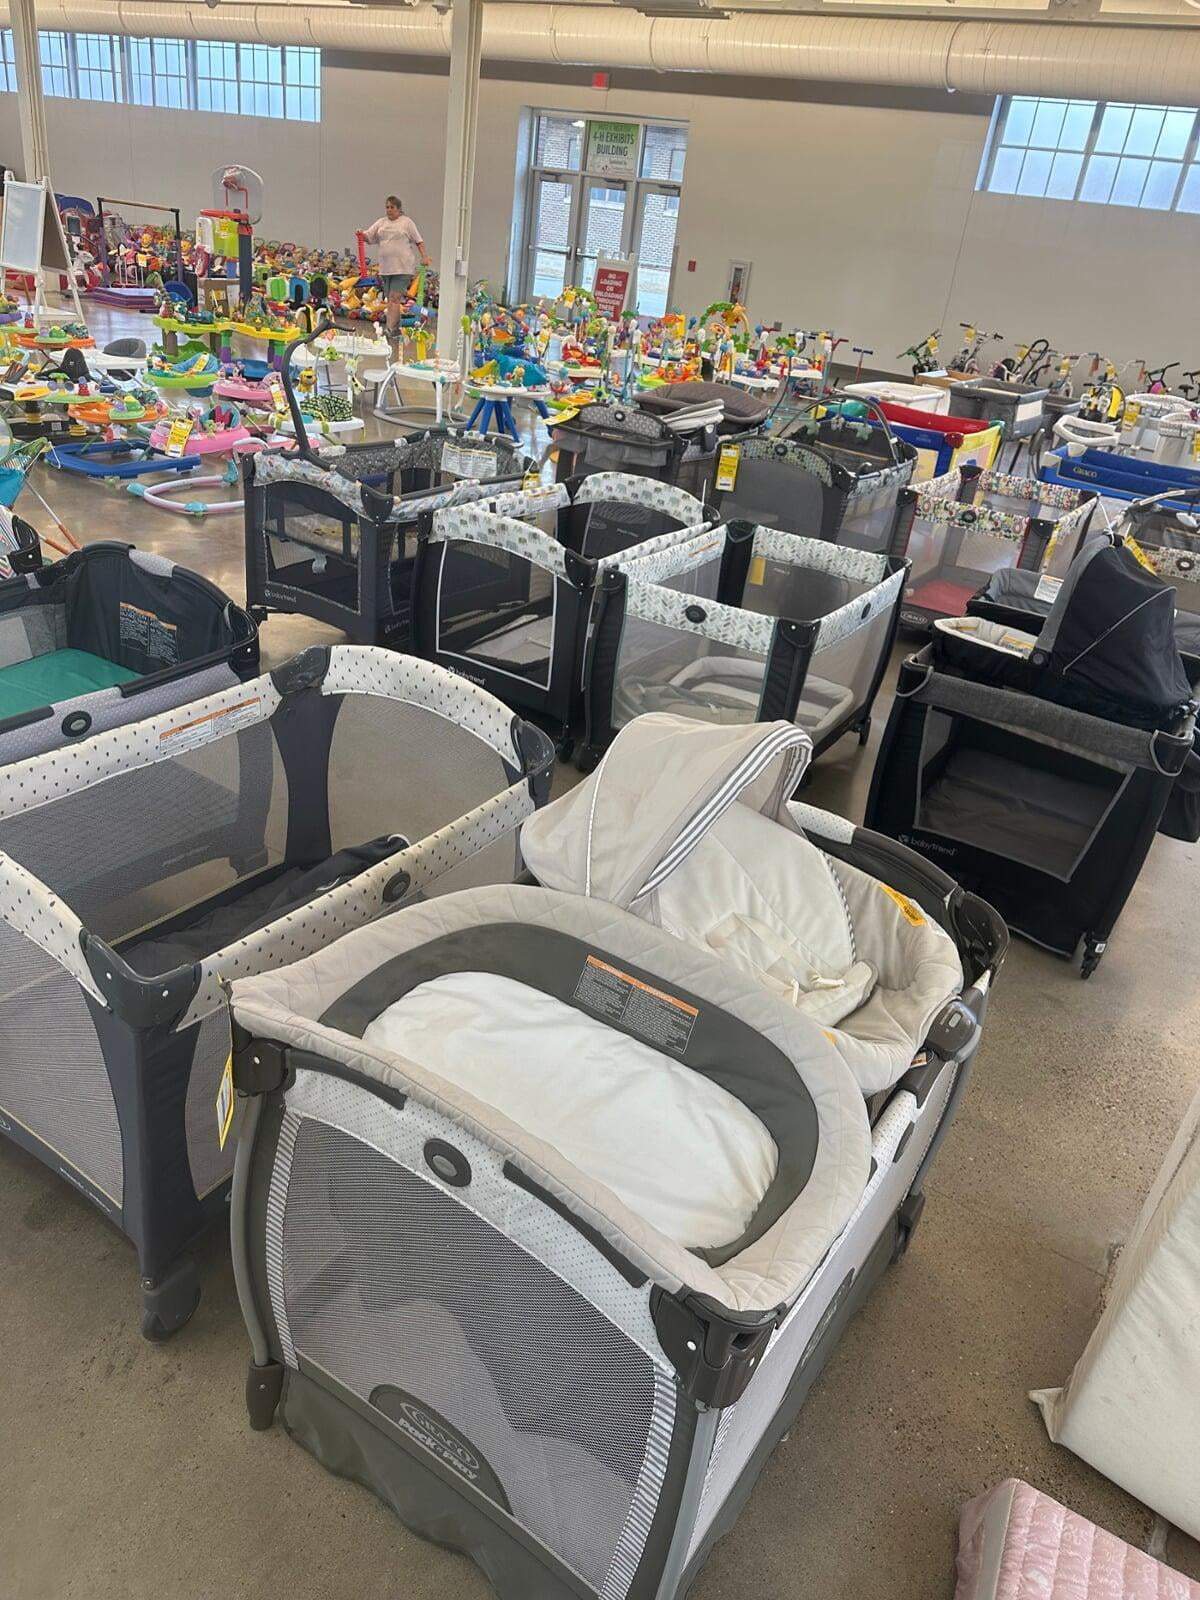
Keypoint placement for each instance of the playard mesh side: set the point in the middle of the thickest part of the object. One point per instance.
(960, 529)
(568, 1419)
(820, 486)
(336, 539)
(683, 650)
(227, 836)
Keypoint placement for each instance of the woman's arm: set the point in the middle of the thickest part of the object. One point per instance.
(415, 235)
(371, 234)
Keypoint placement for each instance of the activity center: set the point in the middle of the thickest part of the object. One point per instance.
(599, 799)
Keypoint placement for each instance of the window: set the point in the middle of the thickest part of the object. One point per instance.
(8, 62)
(98, 66)
(302, 80)
(1102, 153)
(217, 77)
(158, 70)
(54, 54)
(261, 78)
(600, 187)
(256, 80)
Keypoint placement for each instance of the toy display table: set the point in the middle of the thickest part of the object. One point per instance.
(275, 340)
(494, 403)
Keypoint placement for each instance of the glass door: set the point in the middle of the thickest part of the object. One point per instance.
(601, 228)
(654, 246)
(552, 235)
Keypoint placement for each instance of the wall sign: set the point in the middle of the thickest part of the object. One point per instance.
(612, 149)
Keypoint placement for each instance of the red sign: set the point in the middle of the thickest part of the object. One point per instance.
(611, 287)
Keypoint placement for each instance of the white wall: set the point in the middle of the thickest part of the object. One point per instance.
(860, 216)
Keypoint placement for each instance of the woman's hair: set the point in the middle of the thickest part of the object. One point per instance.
(394, 200)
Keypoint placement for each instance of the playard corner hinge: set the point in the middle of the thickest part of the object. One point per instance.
(714, 1358)
(259, 1065)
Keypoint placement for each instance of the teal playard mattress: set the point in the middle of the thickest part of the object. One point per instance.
(50, 679)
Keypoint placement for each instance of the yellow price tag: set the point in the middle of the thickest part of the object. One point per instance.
(1138, 553)
(1132, 413)
(911, 912)
(177, 438)
(225, 1102)
(727, 465)
(758, 570)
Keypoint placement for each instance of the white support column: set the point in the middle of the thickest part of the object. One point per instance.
(466, 31)
(35, 145)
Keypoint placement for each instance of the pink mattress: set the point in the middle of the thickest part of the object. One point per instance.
(1015, 1543)
(132, 299)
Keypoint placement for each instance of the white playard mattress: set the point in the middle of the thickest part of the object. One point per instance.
(675, 1147)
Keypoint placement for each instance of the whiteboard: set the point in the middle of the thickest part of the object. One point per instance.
(22, 226)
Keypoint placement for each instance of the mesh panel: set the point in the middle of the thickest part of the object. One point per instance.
(665, 668)
(608, 527)
(209, 1164)
(742, 1426)
(160, 837)
(310, 549)
(402, 1294)
(949, 563)
(776, 494)
(869, 518)
(424, 771)
(52, 1074)
(496, 608)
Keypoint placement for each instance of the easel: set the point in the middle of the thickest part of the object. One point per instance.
(32, 240)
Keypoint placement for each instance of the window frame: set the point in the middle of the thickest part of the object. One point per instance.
(1091, 156)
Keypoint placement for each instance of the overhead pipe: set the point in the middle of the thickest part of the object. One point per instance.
(1078, 60)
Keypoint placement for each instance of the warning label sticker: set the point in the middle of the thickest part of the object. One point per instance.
(466, 461)
(660, 1018)
(213, 725)
(146, 630)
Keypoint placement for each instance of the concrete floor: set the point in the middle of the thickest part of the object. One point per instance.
(127, 1470)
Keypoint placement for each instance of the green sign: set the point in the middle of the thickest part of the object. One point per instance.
(612, 149)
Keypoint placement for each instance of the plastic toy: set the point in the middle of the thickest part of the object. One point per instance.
(163, 495)
(216, 432)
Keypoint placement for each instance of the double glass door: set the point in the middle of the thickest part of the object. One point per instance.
(574, 219)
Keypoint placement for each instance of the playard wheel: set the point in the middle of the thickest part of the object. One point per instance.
(1093, 952)
(170, 1304)
(563, 746)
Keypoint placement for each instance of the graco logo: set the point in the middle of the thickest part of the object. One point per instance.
(424, 1427)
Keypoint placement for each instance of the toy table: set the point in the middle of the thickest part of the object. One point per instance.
(37, 341)
(441, 374)
(493, 407)
(217, 334)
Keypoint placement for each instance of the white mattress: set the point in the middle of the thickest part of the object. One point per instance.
(520, 643)
(672, 1145)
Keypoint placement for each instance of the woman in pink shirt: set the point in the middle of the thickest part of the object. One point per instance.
(400, 247)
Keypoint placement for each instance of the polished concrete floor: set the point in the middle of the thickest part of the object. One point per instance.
(127, 1470)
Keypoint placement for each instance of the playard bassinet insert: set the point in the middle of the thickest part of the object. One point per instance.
(144, 866)
(558, 1319)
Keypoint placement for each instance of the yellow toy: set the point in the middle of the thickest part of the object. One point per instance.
(488, 373)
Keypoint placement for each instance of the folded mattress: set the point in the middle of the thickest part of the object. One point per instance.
(1016, 1543)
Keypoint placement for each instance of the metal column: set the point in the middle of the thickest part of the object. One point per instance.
(35, 145)
(466, 30)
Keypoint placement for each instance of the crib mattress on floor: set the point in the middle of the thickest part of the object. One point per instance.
(51, 679)
(677, 1148)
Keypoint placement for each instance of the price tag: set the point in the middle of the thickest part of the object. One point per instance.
(1132, 412)
(1138, 553)
(1047, 589)
(177, 438)
(225, 1103)
(727, 465)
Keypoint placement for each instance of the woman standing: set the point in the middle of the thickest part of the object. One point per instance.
(400, 248)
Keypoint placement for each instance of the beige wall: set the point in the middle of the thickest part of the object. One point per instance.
(861, 215)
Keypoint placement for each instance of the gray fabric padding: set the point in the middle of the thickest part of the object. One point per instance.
(150, 561)
(1110, 744)
(284, 1005)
